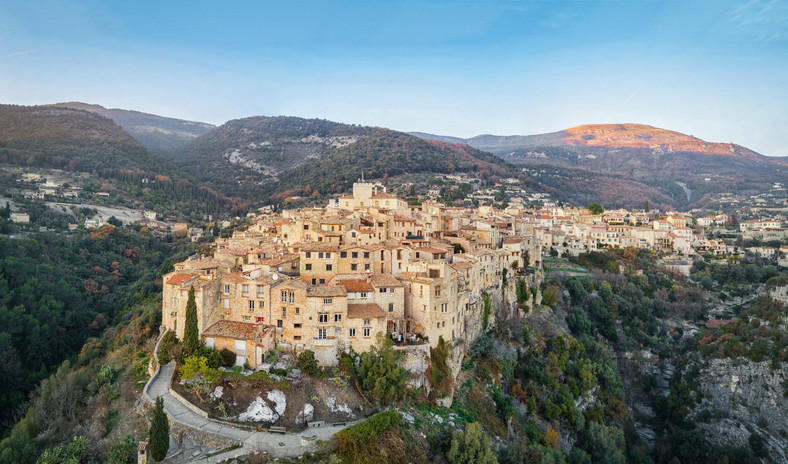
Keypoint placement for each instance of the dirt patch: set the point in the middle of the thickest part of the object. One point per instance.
(330, 399)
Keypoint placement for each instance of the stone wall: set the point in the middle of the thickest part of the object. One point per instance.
(417, 361)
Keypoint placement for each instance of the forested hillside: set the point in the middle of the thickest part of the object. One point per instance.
(651, 160)
(74, 140)
(57, 291)
(267, 158)
(165, 136)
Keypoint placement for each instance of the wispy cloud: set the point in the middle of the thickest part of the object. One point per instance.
(767, 21)
(22, 52)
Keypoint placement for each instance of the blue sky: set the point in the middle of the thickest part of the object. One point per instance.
(715, 69)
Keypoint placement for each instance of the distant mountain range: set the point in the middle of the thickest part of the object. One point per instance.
(165, 136)
(271, 157)
(264, 159)
(680, 166)
(66, 138)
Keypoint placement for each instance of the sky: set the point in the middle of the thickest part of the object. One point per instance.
(715, 69)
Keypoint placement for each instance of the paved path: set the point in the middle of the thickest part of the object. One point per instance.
(277, 445)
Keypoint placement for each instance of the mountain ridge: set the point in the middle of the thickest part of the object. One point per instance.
(73, 139)
(267, 156)
(159, 134)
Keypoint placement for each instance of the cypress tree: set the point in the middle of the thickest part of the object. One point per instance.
(159, 439)
(191, 337)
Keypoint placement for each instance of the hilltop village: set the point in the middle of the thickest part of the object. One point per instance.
(331, 279)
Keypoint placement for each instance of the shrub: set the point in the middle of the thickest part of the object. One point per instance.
(228, 358)
(471, 447)
(375, 440)
(379, 372)
(307, 362)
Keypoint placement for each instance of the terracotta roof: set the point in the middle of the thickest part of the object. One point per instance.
(384, 196)
(397, 217)
(178, 279)
(316, 247)
(235, 277)
(365, 311)
(356, 286)
(326, 290)
(431, 250)
(232, 329)
(385, 280)
(513, 239)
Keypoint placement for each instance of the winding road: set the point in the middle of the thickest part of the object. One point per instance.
(276, 445)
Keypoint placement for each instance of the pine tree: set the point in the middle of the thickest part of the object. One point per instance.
(159, 439)
(191, 336)
(471, 447)
(645, 207)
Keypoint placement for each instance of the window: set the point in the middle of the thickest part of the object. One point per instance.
(366, 321)
(251, 305)
(308, 254)
(445, 307)
(327, 301)
(354, 255)
(284, 296)
(296, 326)
(382, 256)
(307, 267)
(314, 281)
(260, 320)
(363, 294)
(444, 324)
(306, 226)
(298, 310)
(279, 323)
(354, 267)
(328, 255)
(320, 255)
(352, 333)
(260, 291)
(292, 297)
(322, 318)
(437, 290)
(284, 312)
(226, 302)
(261, 304)
(321, 334)
(382, 290)
(343, 254)
(391, 307)
(366, 267)
(337, 318)
(366, 332)
(247, 319)
(322, 281)
(296, 337)
(244, 290)
(399, 254)
(366, 255)
(226, 289)
(329, 267)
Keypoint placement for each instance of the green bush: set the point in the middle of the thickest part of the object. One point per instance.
(307, 362)
(228, 358)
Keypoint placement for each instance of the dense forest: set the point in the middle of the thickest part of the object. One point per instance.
(267, 159)
(74, 140)
(57, 291)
